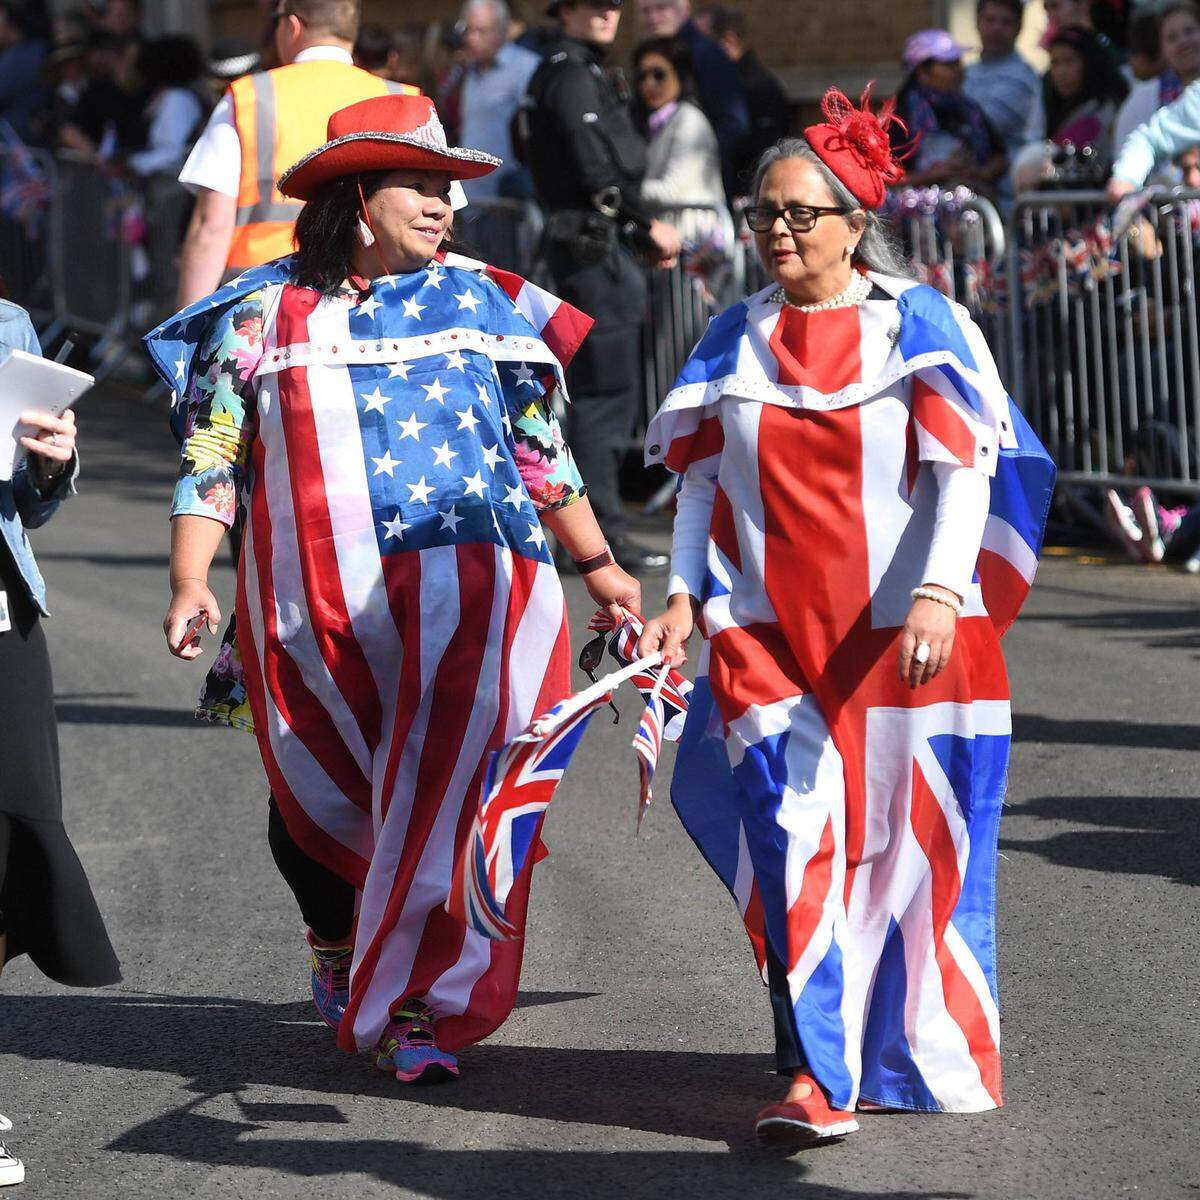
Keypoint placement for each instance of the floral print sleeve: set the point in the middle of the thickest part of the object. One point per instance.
(543, 458)
(220, 421)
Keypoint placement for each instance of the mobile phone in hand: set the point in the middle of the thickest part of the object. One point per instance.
(195, 625)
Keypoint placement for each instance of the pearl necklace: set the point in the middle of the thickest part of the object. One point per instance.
(855, 292)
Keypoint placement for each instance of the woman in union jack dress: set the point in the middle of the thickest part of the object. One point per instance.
(379, 411)
(859, 520)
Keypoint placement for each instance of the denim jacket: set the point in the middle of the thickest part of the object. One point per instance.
(22, 506)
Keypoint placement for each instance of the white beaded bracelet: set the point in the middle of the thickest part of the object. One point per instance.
(924, 593)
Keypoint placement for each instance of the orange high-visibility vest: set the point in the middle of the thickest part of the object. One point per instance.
(280, 117)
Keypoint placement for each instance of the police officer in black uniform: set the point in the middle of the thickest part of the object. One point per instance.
(588, 159)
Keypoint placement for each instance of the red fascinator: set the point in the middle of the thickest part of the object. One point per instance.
(854, 144)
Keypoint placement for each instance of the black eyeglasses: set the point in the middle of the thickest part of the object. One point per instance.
(799, 218)
(280, 13)
(657, 74)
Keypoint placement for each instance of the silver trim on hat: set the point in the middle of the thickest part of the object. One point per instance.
(430, 136)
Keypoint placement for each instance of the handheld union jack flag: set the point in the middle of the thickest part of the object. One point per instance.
(647, 742)
(506, 837)
(505, 840)
(674, 688)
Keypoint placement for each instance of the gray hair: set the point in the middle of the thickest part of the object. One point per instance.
(877, 249)
(499, 11)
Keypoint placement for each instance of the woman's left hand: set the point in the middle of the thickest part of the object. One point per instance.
(932, 623)
(54, 444)
(613, 590)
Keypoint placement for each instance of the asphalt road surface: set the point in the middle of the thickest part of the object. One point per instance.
(640, 1050)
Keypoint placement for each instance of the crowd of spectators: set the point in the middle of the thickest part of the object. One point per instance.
(996, 127)
(89, 82)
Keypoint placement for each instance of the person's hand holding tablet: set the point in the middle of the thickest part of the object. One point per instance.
(53, 446)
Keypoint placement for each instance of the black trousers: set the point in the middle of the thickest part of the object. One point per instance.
(605, 378)
(326, 900)
(47, 909)
(789, 1054)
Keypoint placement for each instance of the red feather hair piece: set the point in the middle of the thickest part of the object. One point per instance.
(855, 144)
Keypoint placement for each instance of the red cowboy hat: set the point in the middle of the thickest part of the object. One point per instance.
(384, 133)
(854, 144)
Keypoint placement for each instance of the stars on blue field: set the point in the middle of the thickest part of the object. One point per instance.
(435, 426)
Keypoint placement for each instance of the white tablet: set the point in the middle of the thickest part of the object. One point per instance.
(27, 381)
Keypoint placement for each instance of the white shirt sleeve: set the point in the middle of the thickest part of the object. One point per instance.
(216, 159)
(963, 496)
(689, 542)
(1169, 132)
(176, 115)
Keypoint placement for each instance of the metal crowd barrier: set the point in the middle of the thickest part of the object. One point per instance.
(504, 232)
(956, 243)
(89, 251)
(1105, 348)
(28, 184)
(683, 299)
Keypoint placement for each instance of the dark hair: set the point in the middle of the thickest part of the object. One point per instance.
(723, 20)
(1142, 36)
(677, 52)
(170, 61)
(1015, 7)
(374, 47)
(327, 230)
(1102, 79)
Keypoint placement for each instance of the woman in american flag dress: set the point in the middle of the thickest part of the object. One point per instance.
(380, 412)
(860, 516)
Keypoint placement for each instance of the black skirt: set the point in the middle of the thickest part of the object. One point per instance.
(46, 904)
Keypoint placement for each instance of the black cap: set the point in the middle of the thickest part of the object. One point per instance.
(231, 58)
(554, 5)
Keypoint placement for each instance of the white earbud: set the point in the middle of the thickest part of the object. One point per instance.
(364, 233)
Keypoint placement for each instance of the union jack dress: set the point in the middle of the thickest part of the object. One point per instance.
(398, 612)
(853, 819)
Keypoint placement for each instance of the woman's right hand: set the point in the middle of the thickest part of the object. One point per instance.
(189, 599)
(670, 632)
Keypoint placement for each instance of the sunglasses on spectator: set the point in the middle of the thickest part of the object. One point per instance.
(657, 74)
(280, 12)
(799, 218)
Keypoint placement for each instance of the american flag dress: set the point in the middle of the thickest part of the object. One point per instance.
(398, 611)
(855, 820)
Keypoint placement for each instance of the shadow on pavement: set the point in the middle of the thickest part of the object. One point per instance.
(460, 1174)
(1177, 626)
(127, 714)
(162, 560)
(225, 1045)
(1029, 727)
(1144, 835)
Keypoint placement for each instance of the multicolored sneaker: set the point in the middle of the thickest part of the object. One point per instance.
(330, 981)
(409, 1049)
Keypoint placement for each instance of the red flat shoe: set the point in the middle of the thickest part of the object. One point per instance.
(797, 1124)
